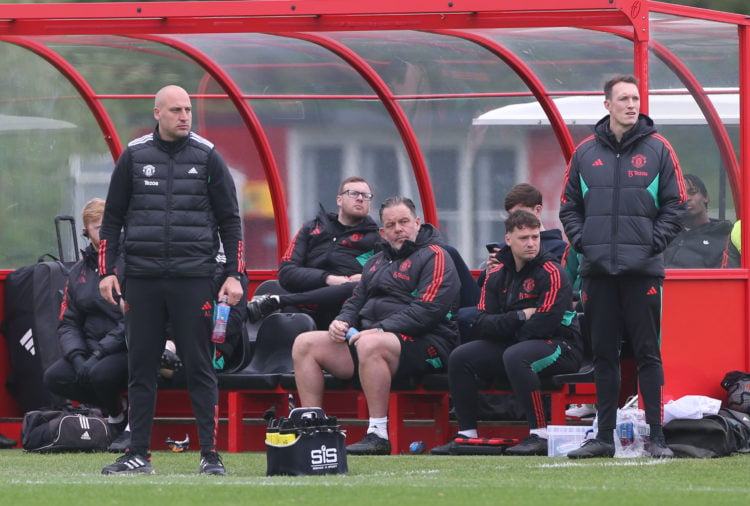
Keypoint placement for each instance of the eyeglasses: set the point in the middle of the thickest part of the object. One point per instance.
(355, 194)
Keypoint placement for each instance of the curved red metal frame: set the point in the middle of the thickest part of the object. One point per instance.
(527, 76)
(253, 126)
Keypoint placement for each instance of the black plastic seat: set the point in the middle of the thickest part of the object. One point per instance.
(273, 352)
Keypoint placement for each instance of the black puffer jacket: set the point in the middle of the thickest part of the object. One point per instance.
(540, 284)
(87, 321)
(703, 247)
(411, 291)
(173, 199)
(324, 246)
(622, 202)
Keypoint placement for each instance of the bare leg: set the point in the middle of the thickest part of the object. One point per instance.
(379, 355)
(313, 353)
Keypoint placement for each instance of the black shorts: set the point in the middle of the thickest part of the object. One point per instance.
(418, 357)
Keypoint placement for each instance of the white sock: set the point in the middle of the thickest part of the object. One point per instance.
(379, 426)
(542, 433)
(116, 419)
(470, 433)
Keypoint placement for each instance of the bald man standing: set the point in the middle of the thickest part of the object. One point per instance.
(172, 197)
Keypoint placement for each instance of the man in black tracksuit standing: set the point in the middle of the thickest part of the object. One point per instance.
(173, 198)
(621, 206)
(525, 329)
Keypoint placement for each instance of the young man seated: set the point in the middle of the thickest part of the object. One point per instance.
(526, 330)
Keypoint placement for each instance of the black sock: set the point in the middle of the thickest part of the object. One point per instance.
(606, 435)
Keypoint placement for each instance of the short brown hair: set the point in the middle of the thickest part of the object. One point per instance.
(524, 194)
(353, 179)
(621, 78)
(521, 219)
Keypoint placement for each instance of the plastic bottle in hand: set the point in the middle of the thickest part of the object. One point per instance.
(221, 317)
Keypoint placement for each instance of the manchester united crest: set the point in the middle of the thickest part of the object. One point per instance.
(638, 161)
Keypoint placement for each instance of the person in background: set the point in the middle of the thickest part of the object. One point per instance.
(526, 331)
(621, 205)
(702, 241)
(174, 197)
(93, 368)
(396, 325)
(323, 263)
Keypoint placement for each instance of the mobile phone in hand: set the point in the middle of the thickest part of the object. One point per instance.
(491, 247)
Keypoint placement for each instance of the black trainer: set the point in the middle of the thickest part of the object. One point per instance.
(592, 448)
(659, 449)
(130, 463)
(211, 464)
(262, 306)
(532, 445)
(6, 442)
(447, 448)
(372, 444)
(121, 443)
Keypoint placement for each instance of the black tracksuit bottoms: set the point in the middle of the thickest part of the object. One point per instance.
(187, 304)
(322, 304)
(523, 363)
(616, 307)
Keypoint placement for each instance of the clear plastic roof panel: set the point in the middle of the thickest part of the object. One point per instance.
(568, 59)
(708, 49)
(272, 65)
(420, 63)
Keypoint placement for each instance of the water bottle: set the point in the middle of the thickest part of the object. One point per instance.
(417, 447)
(221, 317)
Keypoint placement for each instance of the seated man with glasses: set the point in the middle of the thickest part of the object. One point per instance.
(323, 263)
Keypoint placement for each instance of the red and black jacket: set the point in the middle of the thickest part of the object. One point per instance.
(540, 284)
(412, 291)
(324, 246)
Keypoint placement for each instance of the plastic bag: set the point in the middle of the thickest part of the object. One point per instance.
(691, 406)
(631, 435)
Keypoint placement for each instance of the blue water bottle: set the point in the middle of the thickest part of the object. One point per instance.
(221, 317)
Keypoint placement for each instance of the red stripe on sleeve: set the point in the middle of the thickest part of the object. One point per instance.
(438, 274)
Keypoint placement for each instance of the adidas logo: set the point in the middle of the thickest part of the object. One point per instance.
(652, 291)
(597, 163)
(206, 306)
(27, 341)
(192, 171)
(85, 436)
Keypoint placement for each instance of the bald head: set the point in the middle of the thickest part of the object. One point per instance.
(173, 112)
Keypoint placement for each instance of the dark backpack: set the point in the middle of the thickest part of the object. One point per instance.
(64, 431)
(737, 385)
(719, 435)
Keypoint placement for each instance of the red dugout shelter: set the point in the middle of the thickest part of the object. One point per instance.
(451, 102)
